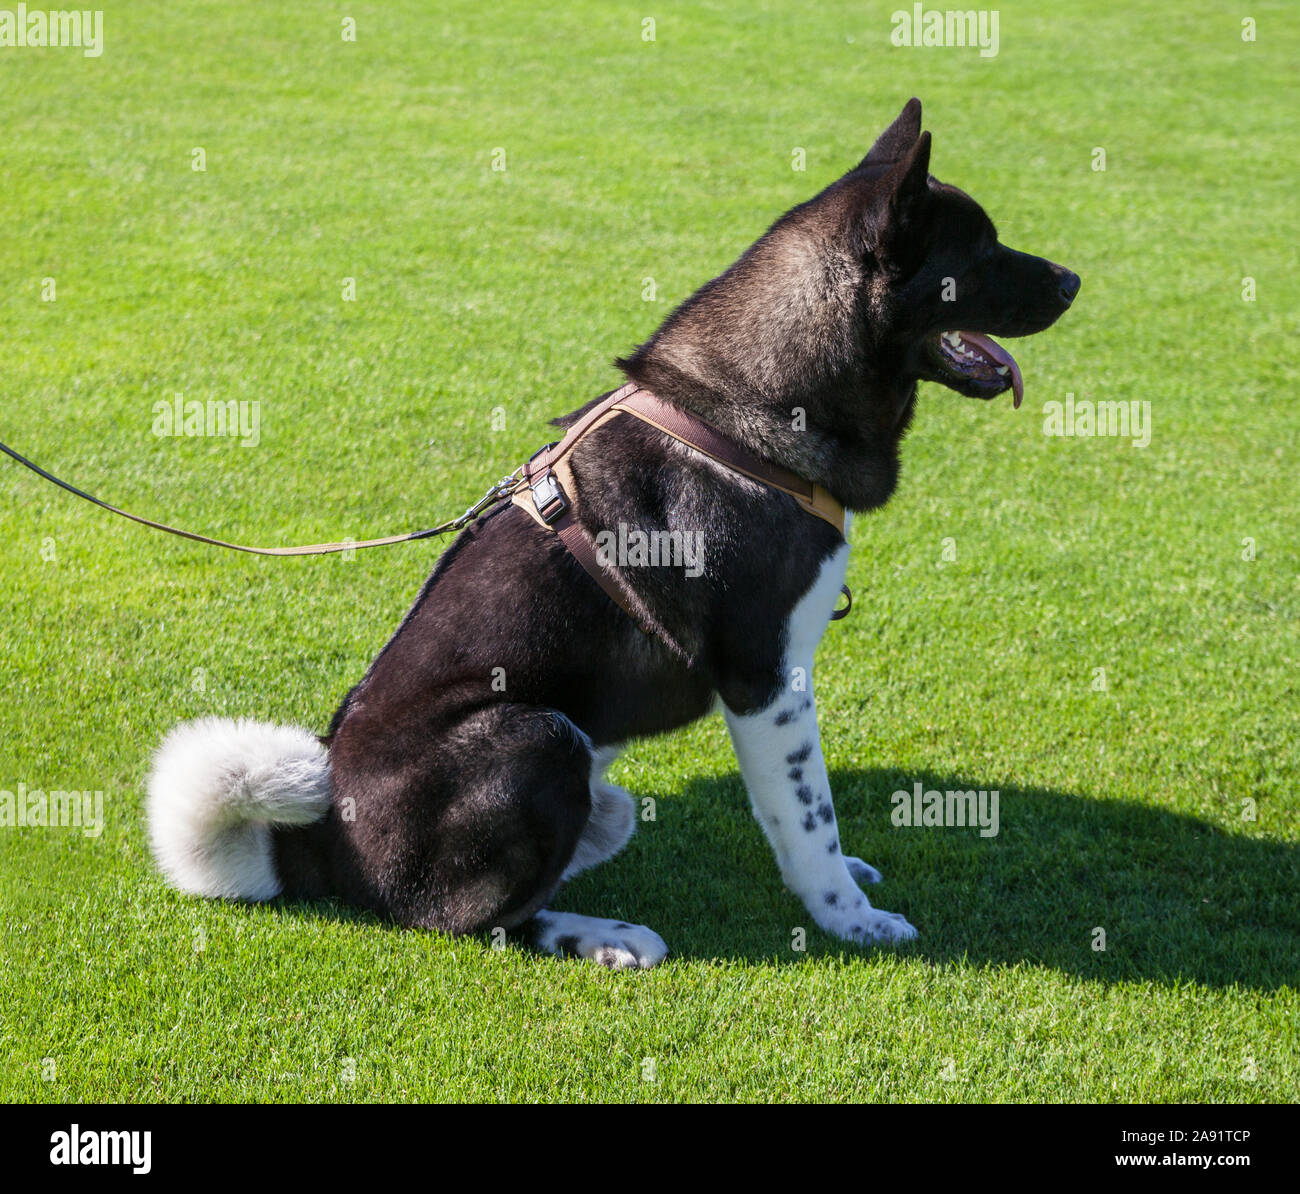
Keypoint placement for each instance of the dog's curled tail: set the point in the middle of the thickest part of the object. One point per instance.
(217, 787)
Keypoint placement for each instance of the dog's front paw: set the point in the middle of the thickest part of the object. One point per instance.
(867, 925)
(862, 872)
(886, 926)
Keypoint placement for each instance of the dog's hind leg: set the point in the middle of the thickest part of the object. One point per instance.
(465, 831)
(612, 821)
(612, 943)
(474, 831)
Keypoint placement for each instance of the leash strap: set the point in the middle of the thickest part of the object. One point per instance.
(497, 493)
(543, 488)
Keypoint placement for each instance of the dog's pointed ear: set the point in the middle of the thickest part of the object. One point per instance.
(909, 180)
(889, 213)
(897, 139)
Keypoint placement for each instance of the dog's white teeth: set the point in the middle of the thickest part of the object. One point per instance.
(954, 338)
(1003, 370)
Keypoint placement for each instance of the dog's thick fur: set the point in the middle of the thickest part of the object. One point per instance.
(463, 779)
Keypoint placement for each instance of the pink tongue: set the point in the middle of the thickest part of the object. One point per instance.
(997, 353)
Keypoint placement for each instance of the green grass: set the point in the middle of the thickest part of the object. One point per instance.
(478, 290)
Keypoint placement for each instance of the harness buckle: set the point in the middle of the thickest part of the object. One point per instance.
(548, 497)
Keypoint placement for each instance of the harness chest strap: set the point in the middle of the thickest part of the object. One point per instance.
(546, 490)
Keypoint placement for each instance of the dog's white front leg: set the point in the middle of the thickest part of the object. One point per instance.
(780, 755)
(781, 759)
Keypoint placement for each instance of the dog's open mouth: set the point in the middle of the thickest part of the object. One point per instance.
(975, 365)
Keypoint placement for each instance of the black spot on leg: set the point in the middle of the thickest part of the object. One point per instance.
(809, 822)
(834, 847)
(567, 945)
(826, 813)
(621, 925)
(807, 704)
(796, 774)
(831, 898)
(794, 758)
(786, 716)
(805, 794)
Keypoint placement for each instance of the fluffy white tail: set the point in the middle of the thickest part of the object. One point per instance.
(216, 788)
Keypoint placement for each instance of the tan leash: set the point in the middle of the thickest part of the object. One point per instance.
(543, 488)
(498, 492)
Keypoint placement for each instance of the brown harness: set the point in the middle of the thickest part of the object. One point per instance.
(546, 492)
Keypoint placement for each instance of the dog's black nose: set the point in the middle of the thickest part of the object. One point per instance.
(1069, 285)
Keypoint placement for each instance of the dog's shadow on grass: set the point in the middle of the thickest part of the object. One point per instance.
(1107, 890)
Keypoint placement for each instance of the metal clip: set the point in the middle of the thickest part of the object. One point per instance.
(503, 487)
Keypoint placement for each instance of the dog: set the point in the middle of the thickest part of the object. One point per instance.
(462, 781)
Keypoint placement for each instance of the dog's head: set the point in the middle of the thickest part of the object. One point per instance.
(810, 347)
(938, 282)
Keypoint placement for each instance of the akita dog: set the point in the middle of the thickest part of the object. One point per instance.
(462, 780)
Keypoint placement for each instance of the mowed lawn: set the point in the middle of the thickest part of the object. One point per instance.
(1104, 633)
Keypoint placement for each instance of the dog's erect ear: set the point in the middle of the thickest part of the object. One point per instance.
(892, 145)
(888, 214)
(909, 180)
